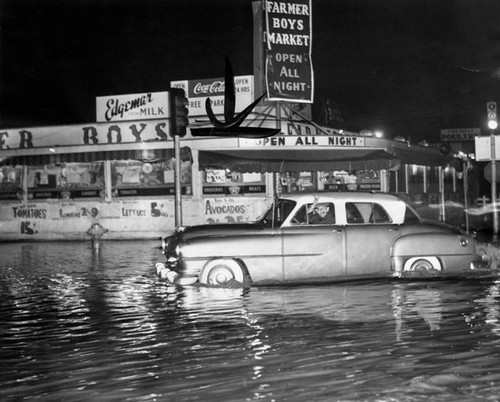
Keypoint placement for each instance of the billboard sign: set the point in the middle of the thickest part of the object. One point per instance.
(145, 106)
(95, 134)
(197, 91)
(288, 44)
(459, 134)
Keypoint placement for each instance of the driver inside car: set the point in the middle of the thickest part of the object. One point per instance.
(322, 214)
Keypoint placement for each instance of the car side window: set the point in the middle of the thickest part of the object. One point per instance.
(315, 214)
(410, 217)
(366, 212)
(352, 213)
(277, 213)
(300, 217)
(321, 214)
(379, 215)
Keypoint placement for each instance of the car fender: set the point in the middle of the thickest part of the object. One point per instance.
(421, 244)
(442, 246)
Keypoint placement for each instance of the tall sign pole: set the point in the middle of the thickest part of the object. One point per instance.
(177, 182)
(492, 125)
(494, 183)
(178, 123)
(465, 165)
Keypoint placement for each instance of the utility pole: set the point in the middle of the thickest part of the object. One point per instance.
(492, 125)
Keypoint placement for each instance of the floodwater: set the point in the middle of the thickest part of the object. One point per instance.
(79, 323)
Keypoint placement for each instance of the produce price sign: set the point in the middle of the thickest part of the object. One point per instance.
(289, 73)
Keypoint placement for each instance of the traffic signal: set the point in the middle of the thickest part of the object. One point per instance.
(178, 111)
(492, 115)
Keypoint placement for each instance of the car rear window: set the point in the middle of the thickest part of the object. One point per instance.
(366, 213)
(410, 217)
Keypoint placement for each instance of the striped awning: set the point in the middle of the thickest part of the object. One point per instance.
(258, 160)
(82, 157)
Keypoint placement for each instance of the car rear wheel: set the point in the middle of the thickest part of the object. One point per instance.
(222, 272)
(422, 264)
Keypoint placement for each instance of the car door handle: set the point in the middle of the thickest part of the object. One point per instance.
(339, 233)
(393, 229)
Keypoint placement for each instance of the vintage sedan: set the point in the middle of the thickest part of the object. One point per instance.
(321, 238)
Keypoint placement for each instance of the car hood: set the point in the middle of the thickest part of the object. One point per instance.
(220, 229)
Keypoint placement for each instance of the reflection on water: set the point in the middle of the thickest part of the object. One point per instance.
(81, 323)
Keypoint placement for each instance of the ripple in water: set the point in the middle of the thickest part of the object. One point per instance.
(81, 324)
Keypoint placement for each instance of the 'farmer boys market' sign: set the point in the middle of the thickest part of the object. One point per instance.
(89, 134)
(288, 43)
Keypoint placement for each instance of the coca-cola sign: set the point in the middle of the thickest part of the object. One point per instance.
(197, 91)
(213, 88)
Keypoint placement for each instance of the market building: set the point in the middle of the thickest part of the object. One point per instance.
(63, 182)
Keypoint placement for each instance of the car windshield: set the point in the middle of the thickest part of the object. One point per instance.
(277, 213)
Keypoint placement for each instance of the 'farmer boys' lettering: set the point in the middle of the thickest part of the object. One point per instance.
(93, 134)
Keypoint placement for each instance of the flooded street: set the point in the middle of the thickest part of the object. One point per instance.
(79, 324)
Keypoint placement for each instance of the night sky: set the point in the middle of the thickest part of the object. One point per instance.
(407, 67)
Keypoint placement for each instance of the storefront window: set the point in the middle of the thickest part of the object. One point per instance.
(10, 182)
(66, 181)
(292, 182)
(223, 182)
(138, 178)
(338, 180)
(368, 180)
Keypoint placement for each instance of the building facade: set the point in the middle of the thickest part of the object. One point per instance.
(62, 182)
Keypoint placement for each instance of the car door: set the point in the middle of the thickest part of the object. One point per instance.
(369, 235)
(312, 252)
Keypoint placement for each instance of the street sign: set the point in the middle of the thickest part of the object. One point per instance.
(459, 134)
(483, 148)
(487, 172)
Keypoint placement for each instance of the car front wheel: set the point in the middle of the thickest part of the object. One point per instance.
(222, 272)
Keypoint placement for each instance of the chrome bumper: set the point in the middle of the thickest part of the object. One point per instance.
(480, 265)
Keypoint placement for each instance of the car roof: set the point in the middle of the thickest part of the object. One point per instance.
(343, 196)
(394, 205)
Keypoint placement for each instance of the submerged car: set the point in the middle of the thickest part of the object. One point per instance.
(320, 238)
